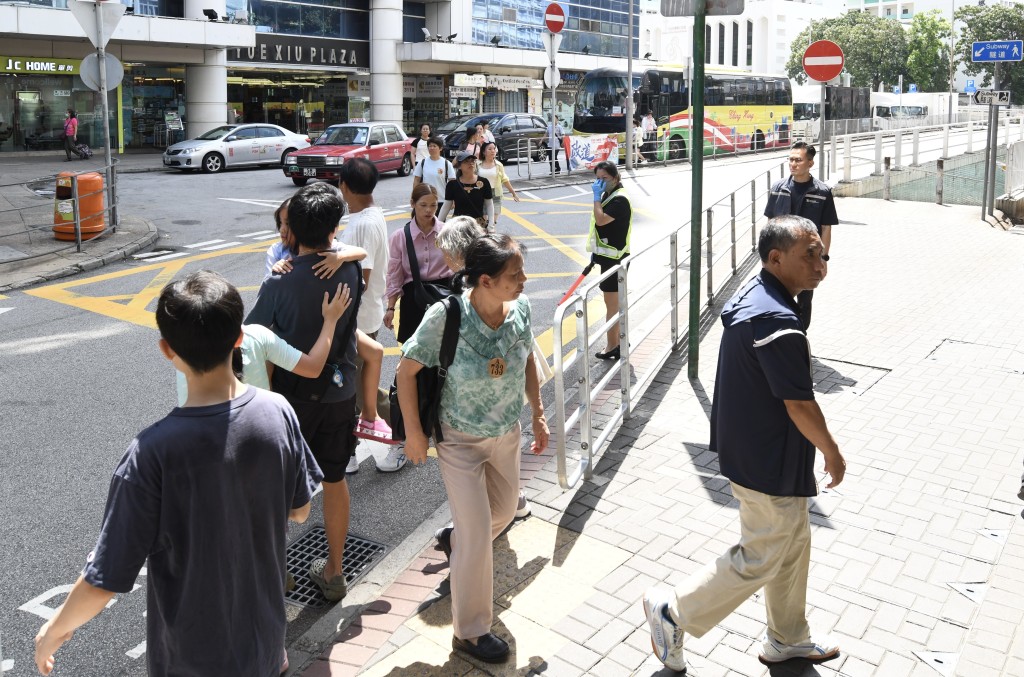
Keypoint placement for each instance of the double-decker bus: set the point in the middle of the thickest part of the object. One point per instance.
(742, 111)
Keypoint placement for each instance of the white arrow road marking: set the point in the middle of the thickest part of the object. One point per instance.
(4, 310)
(273, 204)
(7, 665)
(168, 257)
(225, 245)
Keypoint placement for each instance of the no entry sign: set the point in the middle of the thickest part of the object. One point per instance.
(554, 17)
(823, 61)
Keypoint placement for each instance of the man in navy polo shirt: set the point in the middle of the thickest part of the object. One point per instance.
(765, 426)
(803, 195)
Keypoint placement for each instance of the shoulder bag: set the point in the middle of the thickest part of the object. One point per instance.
(424, 294)
(430, 381)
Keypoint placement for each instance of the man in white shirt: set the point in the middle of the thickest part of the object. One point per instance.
(367, 229)
(555, 136)
(650, 127)
(435, 170)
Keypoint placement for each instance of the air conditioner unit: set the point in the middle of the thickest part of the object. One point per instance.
(240, 16)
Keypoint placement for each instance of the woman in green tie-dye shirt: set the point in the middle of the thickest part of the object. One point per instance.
(480, 408)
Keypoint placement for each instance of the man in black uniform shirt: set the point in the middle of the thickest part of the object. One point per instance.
(803, 195)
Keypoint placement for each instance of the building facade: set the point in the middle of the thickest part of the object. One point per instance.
(300, 64)
(174, 68)
(758, 40)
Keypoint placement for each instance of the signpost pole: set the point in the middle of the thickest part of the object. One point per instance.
(101, 57)
(988, 159)
(993, 143)
(696, 183)
(630, 160)
(110, 174)
(821, 134)
(554, 117)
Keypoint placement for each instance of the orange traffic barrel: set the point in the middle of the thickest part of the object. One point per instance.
(90, 206)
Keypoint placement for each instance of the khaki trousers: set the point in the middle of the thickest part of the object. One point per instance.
(481, 475)
(774, 552)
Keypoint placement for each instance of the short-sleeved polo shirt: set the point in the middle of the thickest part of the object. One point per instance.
(764, 360)
(472, 401)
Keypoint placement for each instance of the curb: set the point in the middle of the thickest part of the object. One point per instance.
(308, 648)
(119, 254)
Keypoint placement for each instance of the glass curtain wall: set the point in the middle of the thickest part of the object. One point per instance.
(599, 25)
(315, 18)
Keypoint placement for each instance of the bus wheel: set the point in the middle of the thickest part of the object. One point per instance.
(676, 149)
(758, 140)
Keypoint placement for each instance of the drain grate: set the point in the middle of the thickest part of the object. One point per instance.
(361, 554)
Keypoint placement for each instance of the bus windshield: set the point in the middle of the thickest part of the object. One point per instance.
(601, 103)
(806, 111)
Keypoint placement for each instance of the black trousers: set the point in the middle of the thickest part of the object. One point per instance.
(803, 302)
(70, 147)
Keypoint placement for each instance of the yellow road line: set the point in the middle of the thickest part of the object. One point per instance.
(552, 240)
(135, 311)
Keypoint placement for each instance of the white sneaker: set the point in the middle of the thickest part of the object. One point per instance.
(523, 508)
(812, 651)
(666, 636)
(353, 465)
(394, 461)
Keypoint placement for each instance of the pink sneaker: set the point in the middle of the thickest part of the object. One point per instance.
(378, 431)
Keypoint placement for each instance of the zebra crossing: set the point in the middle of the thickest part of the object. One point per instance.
(158, 254)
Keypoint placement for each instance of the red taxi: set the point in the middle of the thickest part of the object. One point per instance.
(383, 144)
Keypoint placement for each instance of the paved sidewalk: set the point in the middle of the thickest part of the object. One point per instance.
(29, 254)
(918, 557)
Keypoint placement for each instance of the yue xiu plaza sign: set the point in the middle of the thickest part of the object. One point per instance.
(293, 50)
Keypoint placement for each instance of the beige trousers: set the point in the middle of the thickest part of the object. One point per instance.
(481, 475)
(774, 552)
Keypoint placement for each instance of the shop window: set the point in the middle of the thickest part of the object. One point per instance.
(490, 102)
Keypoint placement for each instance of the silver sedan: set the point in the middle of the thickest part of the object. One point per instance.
(235, 146)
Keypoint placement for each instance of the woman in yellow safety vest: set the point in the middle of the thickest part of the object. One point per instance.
(608, 242)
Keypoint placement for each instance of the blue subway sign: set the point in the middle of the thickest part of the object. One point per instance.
(998, 50)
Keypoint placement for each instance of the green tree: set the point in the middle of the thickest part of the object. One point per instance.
(875, 48)
(980, 24)
(928, 52)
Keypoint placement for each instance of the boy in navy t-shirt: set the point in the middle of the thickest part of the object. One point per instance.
(204, 496)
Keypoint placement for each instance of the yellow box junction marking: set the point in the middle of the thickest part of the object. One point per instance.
(135, 310)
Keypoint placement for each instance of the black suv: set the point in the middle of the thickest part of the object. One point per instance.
(510, 130)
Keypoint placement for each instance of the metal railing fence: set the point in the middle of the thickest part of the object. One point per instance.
(730, 228)
(910, 147)
(27, 218)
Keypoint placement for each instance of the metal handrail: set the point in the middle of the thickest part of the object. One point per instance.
(576, 354)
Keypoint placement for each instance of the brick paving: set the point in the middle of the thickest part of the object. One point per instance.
(917, 565)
